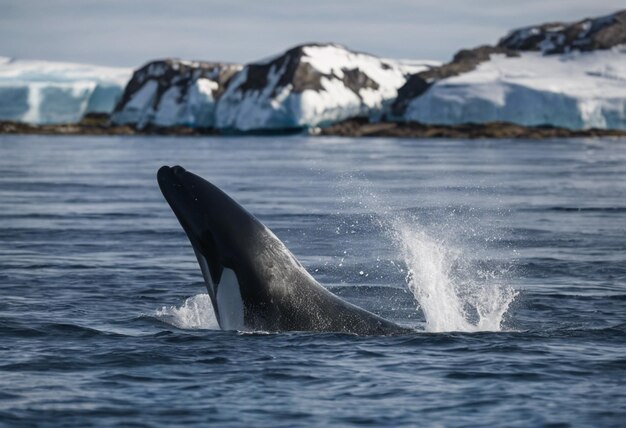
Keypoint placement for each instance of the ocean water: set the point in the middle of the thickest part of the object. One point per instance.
(507, 258)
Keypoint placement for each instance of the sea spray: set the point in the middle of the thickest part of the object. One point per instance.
(440, 277)
(195, 313)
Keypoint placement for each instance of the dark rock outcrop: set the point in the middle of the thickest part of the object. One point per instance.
(359, 127)
(98, 125)
(556, 37)
(356, 127)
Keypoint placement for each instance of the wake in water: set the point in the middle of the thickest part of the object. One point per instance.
(443, 282)
(440, 276)
(195, 313)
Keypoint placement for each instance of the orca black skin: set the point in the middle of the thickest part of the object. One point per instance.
(253, 280)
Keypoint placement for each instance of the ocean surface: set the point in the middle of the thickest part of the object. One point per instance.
(507, 258)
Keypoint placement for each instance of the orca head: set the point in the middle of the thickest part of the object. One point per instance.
(221, 233)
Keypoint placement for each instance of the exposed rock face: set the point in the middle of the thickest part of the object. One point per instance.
(556, 38)
(310, 85)
(565, 75)
(172, 92)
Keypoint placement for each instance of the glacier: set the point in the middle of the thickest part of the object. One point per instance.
(576, 90)
(173, 92)
(46, 92)
(309, 86)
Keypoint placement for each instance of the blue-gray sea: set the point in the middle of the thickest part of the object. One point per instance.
(508, 258)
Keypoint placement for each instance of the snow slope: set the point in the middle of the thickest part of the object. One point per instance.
(56, 92)
(575, 90)
(311, 85)
(173, 92)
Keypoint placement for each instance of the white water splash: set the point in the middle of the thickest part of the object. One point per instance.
(195, 313)
(450, 301)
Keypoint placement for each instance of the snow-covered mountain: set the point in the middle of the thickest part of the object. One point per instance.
(173, 92)
(567, 75)
(55, 92)
(311, 85)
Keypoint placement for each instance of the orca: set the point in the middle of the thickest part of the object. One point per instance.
(253, 280)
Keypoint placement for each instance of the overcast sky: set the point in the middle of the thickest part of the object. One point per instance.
(131, 32)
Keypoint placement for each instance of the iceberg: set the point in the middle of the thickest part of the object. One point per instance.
(173, 92)
(309, 86)
(44, 92)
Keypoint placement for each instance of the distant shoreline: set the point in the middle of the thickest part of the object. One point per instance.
(356, 127)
